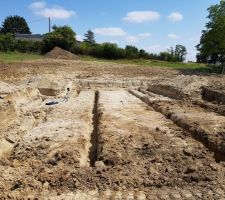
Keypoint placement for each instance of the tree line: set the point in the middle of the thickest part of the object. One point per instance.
(211, 48)
(65, 37)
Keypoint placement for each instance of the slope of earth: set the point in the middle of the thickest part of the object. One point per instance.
(72, 130)
(207, 127)
(134, 150)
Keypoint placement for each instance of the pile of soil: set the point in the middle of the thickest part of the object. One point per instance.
(179, 87)
(6, 88)
(58, 53)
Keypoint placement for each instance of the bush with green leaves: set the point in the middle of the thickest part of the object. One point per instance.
(7, 42)
(61, 36)
(28, 46)
(143, 54)
(108, 51)
(131, 52)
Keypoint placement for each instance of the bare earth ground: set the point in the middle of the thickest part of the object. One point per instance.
(116, 132)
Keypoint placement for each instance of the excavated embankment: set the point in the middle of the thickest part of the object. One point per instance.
(69, 137)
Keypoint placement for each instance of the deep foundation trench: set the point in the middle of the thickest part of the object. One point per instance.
(113, 143)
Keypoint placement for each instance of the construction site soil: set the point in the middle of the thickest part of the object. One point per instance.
(72, 129)
(58, 53)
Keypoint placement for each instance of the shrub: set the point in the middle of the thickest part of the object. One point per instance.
(7, 42)
(108, 51)
(28, 46)
(61, 36)
(131, 52)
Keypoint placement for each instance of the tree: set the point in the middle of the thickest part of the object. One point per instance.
(61, 36)
(212, 43)
(15, 24)
(171, 51)
(180, 52)
(109, 51)
(89, 37)
(131, 52)
(172, 54)
(143, 54)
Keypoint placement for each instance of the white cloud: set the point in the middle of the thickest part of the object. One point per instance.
(110, 31)
(142, 16)
(173, 36)
(38, 5)
(175, 17)
(130, 39)
(144, 35)
(123, 35)
(55, 12)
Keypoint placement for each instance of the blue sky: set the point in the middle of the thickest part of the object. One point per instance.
(153, 25)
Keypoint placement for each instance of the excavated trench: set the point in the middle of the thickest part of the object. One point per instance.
(192, 119)
(93, 152)
(213, 95)
(106, 143)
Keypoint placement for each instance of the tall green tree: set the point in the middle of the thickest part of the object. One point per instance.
(89, 37)
(180, 52)
(61, 36)
(143, 54)
(212, 43)
(131, 52)
(15, 24)
(177, 54)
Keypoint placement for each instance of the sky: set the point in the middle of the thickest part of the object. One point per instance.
(153, 25)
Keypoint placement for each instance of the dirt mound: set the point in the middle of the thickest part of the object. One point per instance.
(58, 53)
(179, 87)
(101, 141)
(6, 88)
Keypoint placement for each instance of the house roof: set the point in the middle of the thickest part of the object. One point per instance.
(28, 35)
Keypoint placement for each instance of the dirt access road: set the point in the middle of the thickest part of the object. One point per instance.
(116, 132)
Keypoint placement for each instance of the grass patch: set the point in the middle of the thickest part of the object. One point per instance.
(15, 56)
(156, 63)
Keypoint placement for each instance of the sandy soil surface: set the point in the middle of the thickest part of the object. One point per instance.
(95, 130)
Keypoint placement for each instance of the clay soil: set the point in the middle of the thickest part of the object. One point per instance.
(112, 132)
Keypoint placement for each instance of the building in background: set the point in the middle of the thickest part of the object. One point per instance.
(29, 37)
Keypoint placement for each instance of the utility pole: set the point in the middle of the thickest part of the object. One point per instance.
(49, 24)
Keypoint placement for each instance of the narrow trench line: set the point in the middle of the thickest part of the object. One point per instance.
(93, 151)
(218, 156)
